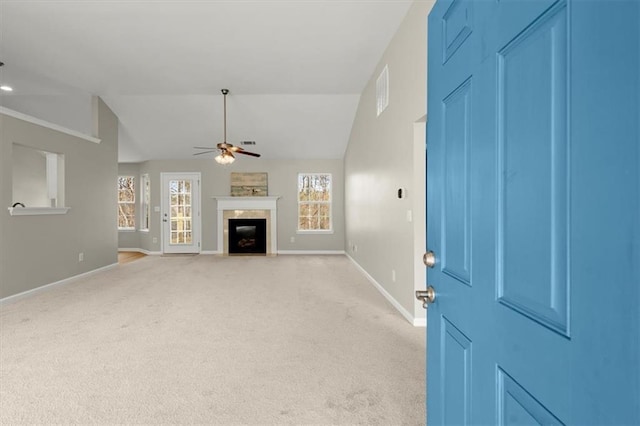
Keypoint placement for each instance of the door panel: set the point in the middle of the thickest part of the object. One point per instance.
(456, 226)
(456, 374)
(532, 152)
(516, 406)
(533, 168)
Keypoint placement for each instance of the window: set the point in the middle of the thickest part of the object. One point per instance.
(314, 202)
(145, 202)
(126, 203)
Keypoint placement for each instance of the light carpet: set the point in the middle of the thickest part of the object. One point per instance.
(212, 340)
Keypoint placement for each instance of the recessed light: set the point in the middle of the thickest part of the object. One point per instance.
(6, 88)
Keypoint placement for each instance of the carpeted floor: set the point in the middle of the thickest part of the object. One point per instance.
(212, 340)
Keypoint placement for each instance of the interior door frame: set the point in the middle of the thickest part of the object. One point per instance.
(196, 216)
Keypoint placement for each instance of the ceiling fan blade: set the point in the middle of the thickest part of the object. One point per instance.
(242, 151)
(206, 152)
(204, 147)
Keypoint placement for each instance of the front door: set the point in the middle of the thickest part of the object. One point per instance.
(533, 201)
(181, 212)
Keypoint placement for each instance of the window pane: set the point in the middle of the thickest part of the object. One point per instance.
(126, 202)
(314, 201)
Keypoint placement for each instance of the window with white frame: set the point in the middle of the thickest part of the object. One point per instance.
(126, 203)
(145, 202)
(314, 202)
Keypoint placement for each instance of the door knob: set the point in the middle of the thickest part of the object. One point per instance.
(427, 296)
(429, 259)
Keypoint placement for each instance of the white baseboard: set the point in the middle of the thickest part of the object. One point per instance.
(210, 252)
(419, 322)
(45, 287)
(311, 252)
(143, 251)
(416, 322)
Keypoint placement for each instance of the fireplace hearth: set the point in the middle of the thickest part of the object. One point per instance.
(247, 236)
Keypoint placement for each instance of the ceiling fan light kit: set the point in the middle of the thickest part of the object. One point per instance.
(226, 149)
(225, 157)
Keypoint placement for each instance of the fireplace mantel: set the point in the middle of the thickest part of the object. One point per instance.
(270, 203)
(247, 203)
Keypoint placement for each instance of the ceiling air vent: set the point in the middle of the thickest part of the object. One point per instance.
(247, 142)
(382, 90)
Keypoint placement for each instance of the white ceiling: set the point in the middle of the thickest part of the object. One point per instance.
(295, 68)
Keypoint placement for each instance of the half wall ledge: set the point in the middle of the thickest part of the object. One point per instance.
(36, 211)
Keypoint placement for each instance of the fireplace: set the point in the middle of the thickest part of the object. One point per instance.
(235, 208)
(247, 236)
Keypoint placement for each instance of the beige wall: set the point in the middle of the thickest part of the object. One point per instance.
(380, 158)
(282, 176)
(39, 250)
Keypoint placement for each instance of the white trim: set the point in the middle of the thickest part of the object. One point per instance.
(247, 203)
(139, 250)
(314, 231)
(46, 287)
(420, 322)
(416, 322)
(311, 252)
(36, 211)
(210, 252)
(47, 124)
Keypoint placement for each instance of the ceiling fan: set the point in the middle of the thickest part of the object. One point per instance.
(226, 149)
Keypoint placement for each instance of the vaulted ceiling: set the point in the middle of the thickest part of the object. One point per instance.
(295, 69)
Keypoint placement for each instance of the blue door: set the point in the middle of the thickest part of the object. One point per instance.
(533, 212)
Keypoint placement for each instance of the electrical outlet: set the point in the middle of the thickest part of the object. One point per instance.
(293, 239)
(393, 275)
(355, 248)
(155, 240)
(81, 257)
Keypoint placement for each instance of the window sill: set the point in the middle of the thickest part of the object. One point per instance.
(314, 231)
(36, 211)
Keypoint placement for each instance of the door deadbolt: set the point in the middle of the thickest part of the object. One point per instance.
(429, 259)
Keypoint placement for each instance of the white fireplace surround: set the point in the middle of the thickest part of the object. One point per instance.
(249, 203)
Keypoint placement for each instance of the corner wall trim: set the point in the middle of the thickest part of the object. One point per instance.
(15, 297)
(47, 124)
(416, 322)
(311, 252)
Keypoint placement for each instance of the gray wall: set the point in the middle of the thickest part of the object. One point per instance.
(38, 250)
(380, 159)
(282, 176)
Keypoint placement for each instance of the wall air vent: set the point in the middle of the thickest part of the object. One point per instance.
(247, 142)
(382, 90)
